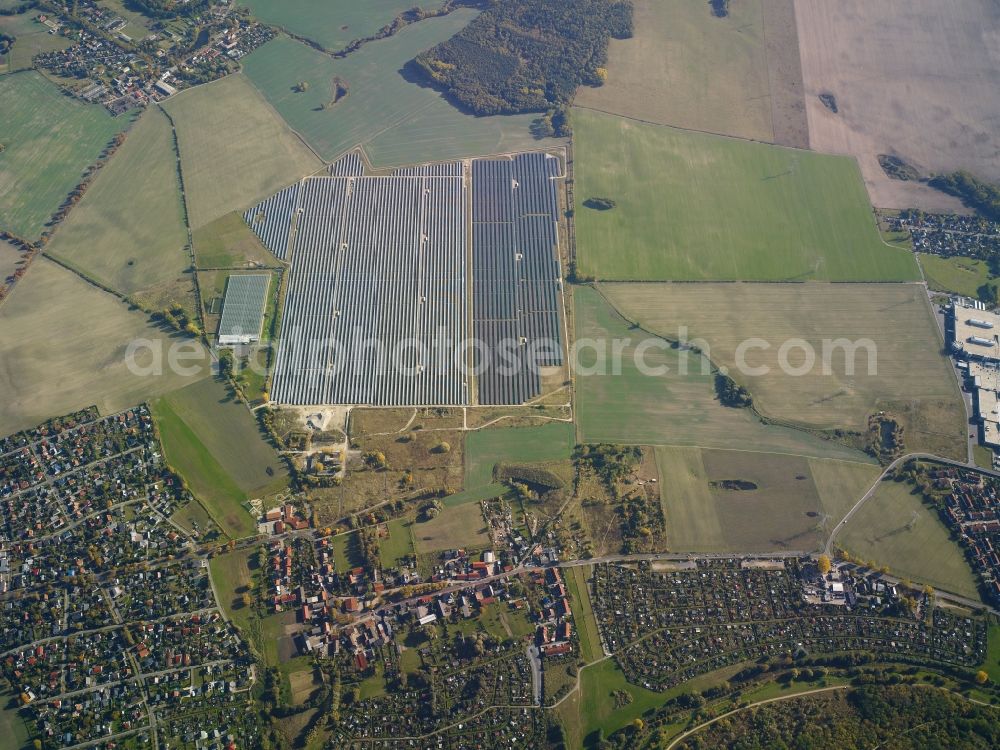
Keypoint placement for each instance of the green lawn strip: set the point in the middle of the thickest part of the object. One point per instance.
(992, 663)
(476, 494)
(209, 482)
(583, 613)
(696, 207)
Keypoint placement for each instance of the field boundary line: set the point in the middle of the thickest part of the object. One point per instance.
(287, 124)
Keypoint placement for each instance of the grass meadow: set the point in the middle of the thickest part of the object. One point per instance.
(461, 526)
(583, 612)
(957, 274)
(790, 509)
(901, 370)
(63, 345)
(896, 528)
(396, 120)
(687, 68)
(214, 443)
(235, 150)
(32, 39)
(673, 409)
(398, 544)
(228, 242)
(334, 23)
(484, 449)
(128, 230)
(40, 164)
(696, 207)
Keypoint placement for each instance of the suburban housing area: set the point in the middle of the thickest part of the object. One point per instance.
(499, 373)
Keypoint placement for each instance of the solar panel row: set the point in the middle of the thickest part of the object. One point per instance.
(445, 169)
(515, 271)
(375, 311)
(348, 165)
(271, 219)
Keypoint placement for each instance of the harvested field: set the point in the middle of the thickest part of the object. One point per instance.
(333, 23)
(719, 501)
(670, 409)
(235, 151)
(896, 528)
(915, 80)
(63, 346)
(398, 122)
(228, 242)
(696, 207)
(128, 230)
(9, 258)
(686, 67)
(41, 164)
(840, 484)
(899, 365)
(461, 526)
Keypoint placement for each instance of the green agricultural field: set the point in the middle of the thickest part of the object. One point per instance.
(63, 344)
(484, 449)
(898, 365)
(398, 544)
(209, 482)
(235, 150)
(896, 528)
(40, 165)
(696, 207)
(957, 274)
(32, 39)
(687, 68)
(231, 434)
(785, 510)
(670, 409)
(228, 242)
(334, 23)
(128, 230)
(583, 613)
(397, 121)
(460, 526)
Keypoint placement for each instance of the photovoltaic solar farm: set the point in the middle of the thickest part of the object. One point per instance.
(390, 274)
(515, 273)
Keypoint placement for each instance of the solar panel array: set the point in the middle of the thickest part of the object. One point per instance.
(271, 219)
(243, 308)
(348, 165)
(515, 270)
(445, 169)
(376, 306)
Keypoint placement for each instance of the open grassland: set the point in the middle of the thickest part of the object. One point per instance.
(583, 612)
(992, 663)
(128, 230)
(32, 39)
(398, 544)
(235, 151)
(41, 164)
(696, 207)
(957, 274)
(899, 367)
(333, 23)
(915, 79)
(673, 408)
(784, 510)
(63, 346)
(228, 242)
(458, 527)
(231, 434)
(896, 528)
(484, 449)
(688, 68)
(840, 484)
(211, 485)
(397, 120)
